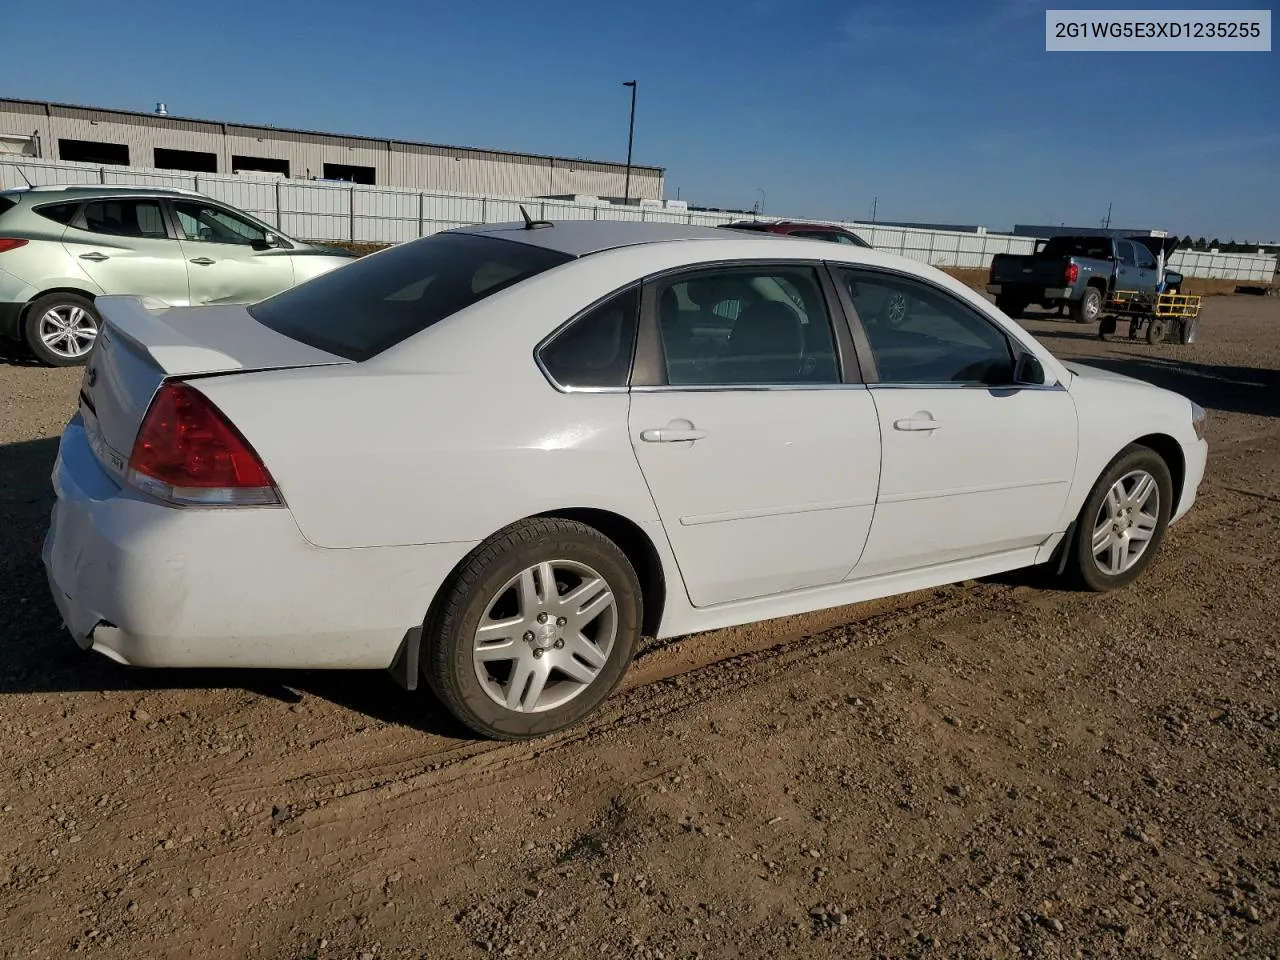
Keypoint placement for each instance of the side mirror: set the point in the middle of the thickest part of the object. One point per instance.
(1028, 370)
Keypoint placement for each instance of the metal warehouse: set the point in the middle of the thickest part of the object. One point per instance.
(57, 131)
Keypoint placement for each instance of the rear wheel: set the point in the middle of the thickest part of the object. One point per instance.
(1188, 329)
(1087, 308)
(60, 329)
(1123, 522)
(1106, 327)
(1157, 327)
(535, 630)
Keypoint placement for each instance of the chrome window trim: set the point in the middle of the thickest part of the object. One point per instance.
(742, 387)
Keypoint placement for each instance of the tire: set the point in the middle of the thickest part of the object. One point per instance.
(1102, 575)
(1087, 308)
(491, 585)
(1188, 329)
(74, 315)
(1106, 327)
(1011, 307)
(1157, 327)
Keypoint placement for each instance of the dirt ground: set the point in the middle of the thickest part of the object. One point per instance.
(992, 769)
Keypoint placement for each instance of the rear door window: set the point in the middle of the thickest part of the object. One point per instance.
(362, 309)
(125, 218)
(1126, 252)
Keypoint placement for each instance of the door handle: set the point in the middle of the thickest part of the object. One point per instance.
(95, 257)
(671, 434)
(204, 261)
(916, 423)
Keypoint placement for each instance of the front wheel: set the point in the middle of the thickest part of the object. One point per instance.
(1123, 522)
(60, 329)
(1087, 308)
(1188, 329)
(535, 630)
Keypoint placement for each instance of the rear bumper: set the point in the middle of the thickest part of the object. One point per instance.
(10, 320)
(150, 585)
(1034, 293)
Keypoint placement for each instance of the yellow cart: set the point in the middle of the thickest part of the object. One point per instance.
(1166, 317)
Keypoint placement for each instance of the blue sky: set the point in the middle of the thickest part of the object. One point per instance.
(945, 111)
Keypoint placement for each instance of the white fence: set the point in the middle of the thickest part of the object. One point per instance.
(333, 211)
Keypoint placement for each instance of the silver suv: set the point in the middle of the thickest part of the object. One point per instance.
(60, 247)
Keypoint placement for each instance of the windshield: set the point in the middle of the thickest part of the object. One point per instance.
(360, 310)
(1098, 248)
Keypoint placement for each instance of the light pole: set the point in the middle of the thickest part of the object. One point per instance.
(631, 132)
(762, 198)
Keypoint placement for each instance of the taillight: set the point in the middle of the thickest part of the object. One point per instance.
(1072, 274)
(11, 243)
(188, 452)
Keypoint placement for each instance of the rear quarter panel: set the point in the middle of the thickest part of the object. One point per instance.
(367, 460)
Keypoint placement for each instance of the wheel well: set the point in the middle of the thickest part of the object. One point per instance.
(1099, 284)
(44, 293)
(1170, 451)
(635, 543)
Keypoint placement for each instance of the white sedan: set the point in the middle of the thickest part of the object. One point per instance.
(497, 456)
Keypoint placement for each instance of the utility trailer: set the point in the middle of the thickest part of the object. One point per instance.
(1165, 314)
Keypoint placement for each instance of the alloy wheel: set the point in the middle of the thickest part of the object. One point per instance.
(68, 330)
(545, 636)
(1126, 522)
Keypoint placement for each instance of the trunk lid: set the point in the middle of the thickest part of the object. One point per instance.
(143, 343)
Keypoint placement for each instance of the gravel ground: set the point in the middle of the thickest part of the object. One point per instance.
(993, 769)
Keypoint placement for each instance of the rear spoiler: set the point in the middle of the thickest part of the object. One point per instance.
(138, 321)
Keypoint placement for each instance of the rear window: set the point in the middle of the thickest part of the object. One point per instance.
(1096, 248)
(362, 309)
(6, 204)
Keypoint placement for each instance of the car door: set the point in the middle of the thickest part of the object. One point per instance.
(1145, 273)
(973, 465)
(759, 445)
(124, 246)
(230, 259)
(1127, 276)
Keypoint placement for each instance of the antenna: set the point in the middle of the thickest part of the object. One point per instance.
(532, 224)
(22, 173)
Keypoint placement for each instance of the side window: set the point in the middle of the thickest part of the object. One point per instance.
(125, 218)
(62, 213)
(596, 349)
(1126, 252)
(919, 334)
(210, 224)
(1145, 259)
(746, 325)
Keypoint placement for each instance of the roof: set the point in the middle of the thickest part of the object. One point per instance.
(103, 190)
(578, 238)
(162, 117)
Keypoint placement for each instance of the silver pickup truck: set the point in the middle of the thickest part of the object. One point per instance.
(1081, 273)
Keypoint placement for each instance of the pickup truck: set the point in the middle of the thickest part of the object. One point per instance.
(1081, 273)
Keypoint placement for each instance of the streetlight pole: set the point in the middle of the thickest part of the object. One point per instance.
(762, 199)
(631, 132)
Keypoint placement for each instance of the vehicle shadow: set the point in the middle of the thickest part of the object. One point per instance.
(1230, 389)
(16, 354)
(38, 656)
